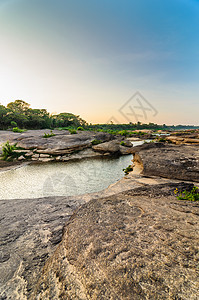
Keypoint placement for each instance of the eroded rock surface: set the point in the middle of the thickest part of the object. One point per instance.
(63, 146)
(29, 233)
(132, 241)
(114, 147)
(140, 244)
(62, 142)
(184, 138)
(176, 162)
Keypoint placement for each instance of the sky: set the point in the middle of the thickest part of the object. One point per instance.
(119, 60)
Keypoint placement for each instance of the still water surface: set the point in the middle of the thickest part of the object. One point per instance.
(62, 179)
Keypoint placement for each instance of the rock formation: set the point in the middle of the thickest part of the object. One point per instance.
(135, 240)
(64, 146)
(175, 162)
(141, 244)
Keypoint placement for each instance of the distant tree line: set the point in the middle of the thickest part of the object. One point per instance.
(19, 114)
(138, 126)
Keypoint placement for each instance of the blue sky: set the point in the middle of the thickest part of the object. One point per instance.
(89, 57)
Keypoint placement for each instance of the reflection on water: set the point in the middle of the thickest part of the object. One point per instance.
(70, 178)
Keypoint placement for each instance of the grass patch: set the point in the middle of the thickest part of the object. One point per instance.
(128, 169)
(96, 142)
(80, 128)
(47, 135)
(16, 129)
(72, 131)
(8, 151)
(123, 143)
(193, 195)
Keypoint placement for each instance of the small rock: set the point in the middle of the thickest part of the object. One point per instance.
(30, 153)
(21, 157)
(45, 159)
(35, 156)
(58, 158)
(44, 155)
(65, 158)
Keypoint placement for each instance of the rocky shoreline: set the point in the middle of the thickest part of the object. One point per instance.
(63, 146)
(134, 240)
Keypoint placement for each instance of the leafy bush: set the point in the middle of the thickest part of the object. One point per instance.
(123, 143)
(80, 128)
(8, 151)
(72, 131)
(16, 129)
(193, 195)
(13, 124)
(96, 142)
(128, 169)
(47, 135)
(123, 132)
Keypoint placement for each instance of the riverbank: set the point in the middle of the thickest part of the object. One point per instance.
(134, 238)
(42, 146)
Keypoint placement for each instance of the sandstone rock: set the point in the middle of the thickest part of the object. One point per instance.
(134, 245)
(183, 140)
(176, 162)
(128, 143)
(58, 158)
(45, 159)
(125, 150)
(44, 155)
(62, 144)
(29, 153)
(111, 147)
(191, 141)
(33, 139)
(65, 158)
(30, 231)
(21, 157)
(21, 150)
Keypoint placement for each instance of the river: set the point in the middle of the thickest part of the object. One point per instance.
(63, 179)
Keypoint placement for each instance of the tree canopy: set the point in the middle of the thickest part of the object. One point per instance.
(20, 114)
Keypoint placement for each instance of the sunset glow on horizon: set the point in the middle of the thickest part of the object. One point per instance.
(90, 57)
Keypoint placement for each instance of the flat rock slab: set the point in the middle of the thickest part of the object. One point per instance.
(63, 140)
(175, 162)
(139, 244)
(29, 233)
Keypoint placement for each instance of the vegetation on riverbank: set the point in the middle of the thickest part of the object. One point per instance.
(18, 115)
(192, 195)
(128, 170)
(8, 151)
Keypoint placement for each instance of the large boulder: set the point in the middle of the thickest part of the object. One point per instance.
(62, 142)
(134, 245)
(114, 147)
(169, 161)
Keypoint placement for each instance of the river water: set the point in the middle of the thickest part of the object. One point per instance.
(63, 179)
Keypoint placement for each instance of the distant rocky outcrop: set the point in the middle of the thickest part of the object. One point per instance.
(184, 138)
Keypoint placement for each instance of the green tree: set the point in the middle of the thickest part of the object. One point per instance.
(18, 106)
